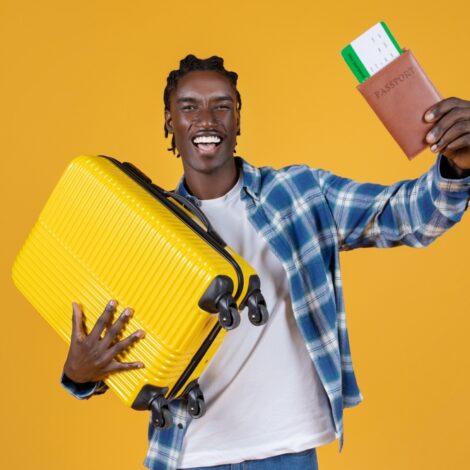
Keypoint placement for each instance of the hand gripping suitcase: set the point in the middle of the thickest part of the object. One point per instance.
(107, 232)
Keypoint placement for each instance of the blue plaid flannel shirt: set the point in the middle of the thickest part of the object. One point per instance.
(308, 216)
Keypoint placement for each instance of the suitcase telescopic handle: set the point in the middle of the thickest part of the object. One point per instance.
(198, 213)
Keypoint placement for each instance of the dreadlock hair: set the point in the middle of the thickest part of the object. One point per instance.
(190, 64)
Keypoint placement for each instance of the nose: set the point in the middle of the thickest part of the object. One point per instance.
(206, 117)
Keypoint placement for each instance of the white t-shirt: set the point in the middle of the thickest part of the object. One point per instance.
(263, 394)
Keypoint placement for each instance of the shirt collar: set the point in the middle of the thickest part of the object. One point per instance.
(251, 181)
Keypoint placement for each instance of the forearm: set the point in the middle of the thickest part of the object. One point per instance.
(410, 212)
(426, 208)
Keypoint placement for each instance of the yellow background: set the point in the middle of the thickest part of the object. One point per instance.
(87, 77)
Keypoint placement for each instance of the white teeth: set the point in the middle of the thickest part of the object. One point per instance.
(207, 139)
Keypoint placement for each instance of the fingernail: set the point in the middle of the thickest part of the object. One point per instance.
(434, 148)
(140, 333)
(429, 116)
(112, 303)
(141, 365)
(430, 137)
(128, 312)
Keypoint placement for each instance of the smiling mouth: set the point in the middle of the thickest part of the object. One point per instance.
(207, 142)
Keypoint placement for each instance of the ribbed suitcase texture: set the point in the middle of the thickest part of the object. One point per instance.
(103, 235)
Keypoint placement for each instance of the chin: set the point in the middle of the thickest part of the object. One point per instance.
(207, 163)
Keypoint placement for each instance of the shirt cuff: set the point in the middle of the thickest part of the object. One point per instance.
(83, 391)
(450, 184)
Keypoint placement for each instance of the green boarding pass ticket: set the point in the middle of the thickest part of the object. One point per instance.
(371, 51)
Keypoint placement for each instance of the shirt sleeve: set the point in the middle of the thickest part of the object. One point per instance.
(83, 391)
(410, 212)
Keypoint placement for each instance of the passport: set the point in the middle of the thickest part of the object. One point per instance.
(396, 88)
(400, 93)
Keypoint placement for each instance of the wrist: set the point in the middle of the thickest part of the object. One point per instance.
(450, 170)
(72, 375)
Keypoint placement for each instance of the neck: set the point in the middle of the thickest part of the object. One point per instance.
(211, 185)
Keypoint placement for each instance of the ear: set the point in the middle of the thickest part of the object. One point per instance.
(168, 122)
(238, 122)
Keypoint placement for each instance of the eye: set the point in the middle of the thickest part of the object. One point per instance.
(223, 106)
(188, 107)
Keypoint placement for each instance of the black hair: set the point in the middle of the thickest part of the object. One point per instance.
(190, 64)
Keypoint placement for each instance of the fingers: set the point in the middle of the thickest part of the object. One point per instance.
(125, 343)
(451, 130)
(447, 121)
(117, 327)
(103, 321)
(117, 366)
(435, 112)
(78, 330)
(461, 142)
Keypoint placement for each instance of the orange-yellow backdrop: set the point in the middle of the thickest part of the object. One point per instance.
(87, 77)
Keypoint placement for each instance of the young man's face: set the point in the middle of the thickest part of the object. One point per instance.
(204, 119)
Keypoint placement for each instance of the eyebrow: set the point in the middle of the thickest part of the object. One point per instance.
(188, 99)
(224, 98)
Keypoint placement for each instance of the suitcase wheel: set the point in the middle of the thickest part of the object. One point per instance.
(196, 408)
(257, 310)
(258, 315)
(218, 299)
(229, 318)
(254, 300)
(161, 415)
(196, 405)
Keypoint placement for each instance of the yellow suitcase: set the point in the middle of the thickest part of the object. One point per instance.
(108, 232)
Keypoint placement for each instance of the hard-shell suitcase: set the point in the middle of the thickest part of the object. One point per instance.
(107, 232)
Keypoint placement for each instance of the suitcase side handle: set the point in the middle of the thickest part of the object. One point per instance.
(182, 200)
(187, 204)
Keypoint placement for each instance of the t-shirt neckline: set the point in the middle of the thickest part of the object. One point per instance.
(229, 196)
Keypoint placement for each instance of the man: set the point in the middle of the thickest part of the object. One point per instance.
(275, 394)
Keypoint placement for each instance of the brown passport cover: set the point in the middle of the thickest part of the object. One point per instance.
(400, 94)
